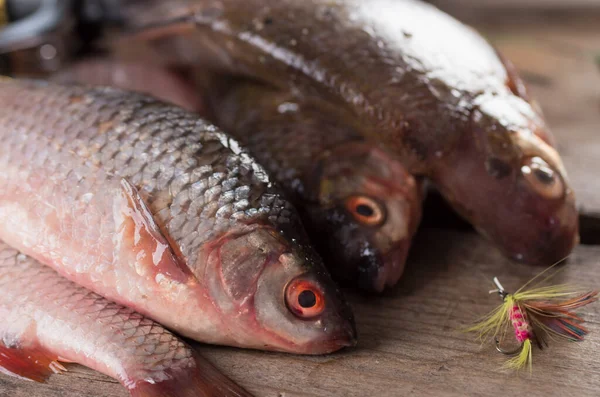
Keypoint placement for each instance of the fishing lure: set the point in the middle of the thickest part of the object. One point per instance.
(536, 315)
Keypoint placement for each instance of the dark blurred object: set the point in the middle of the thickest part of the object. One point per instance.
(438, 214)
(34, 33)
(39, 36)
(589, 227)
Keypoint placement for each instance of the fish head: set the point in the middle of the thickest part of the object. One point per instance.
(364, 212)
(510, 182)
(279, 292)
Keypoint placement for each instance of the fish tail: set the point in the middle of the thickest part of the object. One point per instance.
(201, 380)
(30, 362)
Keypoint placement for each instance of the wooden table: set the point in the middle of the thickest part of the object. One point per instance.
(410, 343)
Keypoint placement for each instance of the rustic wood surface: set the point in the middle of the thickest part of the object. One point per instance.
(409, 338)
(510, 5)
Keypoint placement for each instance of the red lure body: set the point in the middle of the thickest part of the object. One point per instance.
(518, 318)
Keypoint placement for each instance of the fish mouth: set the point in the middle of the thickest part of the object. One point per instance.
(348, 338)
(391, 268)
(547, 239)
(345, 337)
(345, 334)
(550, 250)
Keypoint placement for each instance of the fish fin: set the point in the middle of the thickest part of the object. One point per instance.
(140, 238)
(31, 362)
(201, 380)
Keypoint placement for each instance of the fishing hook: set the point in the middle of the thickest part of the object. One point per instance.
(503, 294)
(508, 353)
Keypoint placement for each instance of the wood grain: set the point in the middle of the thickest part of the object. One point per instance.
(409, 343)
(518, 4)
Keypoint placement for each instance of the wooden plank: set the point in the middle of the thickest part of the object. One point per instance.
(410, 343)
(517, 4)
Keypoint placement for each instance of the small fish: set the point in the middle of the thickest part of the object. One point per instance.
(155, 209)
(47, 319)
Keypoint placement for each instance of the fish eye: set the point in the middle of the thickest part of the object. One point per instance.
(543, 178)
(304, 299)
(307, 299)
(365, 210)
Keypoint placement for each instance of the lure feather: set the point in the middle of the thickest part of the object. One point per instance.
(536, 315)
(522, 359)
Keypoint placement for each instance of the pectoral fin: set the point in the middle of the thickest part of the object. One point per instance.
(140, 241)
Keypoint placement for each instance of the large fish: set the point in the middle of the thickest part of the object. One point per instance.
(399, 75)
(153, 208)
(47, 319)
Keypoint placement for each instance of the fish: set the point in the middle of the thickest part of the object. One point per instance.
(48, 320)
(359, 204)
(400, 75)
(153, 208)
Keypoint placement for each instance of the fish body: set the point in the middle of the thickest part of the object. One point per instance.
(47, 319)
(153, 208)
(360, 205)
(399, 75)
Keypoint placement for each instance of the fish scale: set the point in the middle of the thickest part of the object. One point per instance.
(47, 316)
(171, 125)
(139, 201)
(20, 276)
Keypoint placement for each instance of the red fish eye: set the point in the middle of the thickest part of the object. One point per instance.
(304, 299)
(365, 210)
